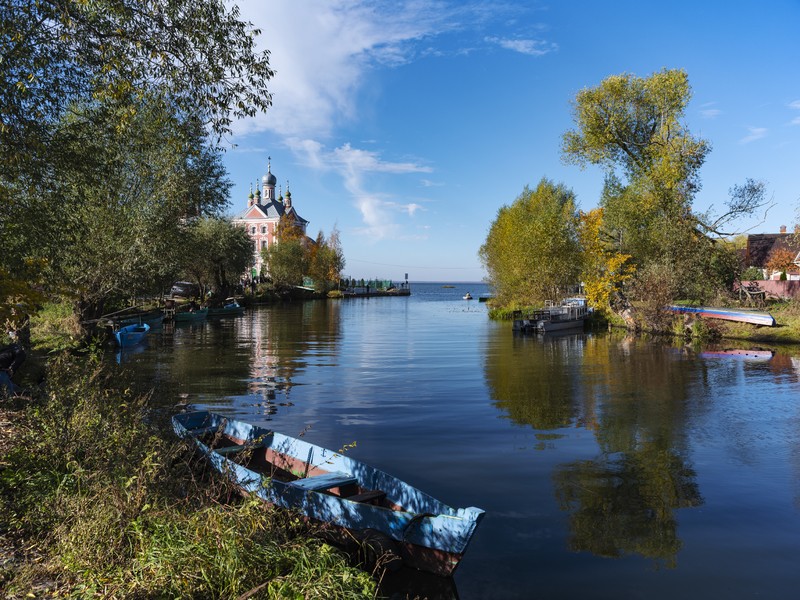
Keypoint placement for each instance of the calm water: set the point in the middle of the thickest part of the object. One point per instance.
(609, 467)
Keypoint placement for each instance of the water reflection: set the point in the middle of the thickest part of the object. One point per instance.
(634, 401)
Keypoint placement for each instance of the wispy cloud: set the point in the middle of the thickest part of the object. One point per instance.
(708, 110)
(322, 51)
(756, 133)
(378, 211)
(530, 47)
(796, 106)
(326, 54)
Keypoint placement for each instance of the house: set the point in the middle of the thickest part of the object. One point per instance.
(262, 215)
(761, 246)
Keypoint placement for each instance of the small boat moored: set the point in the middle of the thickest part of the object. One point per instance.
(727, 314)
(231, 308)
(570, 314)
(467, 296)
(190, 316)
(130, 335)
(328, 487)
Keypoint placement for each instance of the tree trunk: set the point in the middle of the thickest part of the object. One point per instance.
(620, 305)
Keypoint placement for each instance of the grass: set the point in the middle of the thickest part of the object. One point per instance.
(99, 499)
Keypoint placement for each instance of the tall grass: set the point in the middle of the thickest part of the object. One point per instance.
(101, 500)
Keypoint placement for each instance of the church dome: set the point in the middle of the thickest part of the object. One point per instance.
(269, 179)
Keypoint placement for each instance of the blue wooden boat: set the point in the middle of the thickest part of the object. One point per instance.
(727, 314)
(328, 487)
(130, 335)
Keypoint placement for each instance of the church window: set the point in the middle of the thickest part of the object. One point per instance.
(263, 229)
(253, 229)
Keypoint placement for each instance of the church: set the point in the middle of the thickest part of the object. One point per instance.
(263, 213)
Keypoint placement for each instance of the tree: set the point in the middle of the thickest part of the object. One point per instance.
(199, 54)
(326, 261)
(632, 128)
(121, 203)
(287, 262)
(91, 191)
(532, 252)
(216, 253)
(604, 269)
(780, 259)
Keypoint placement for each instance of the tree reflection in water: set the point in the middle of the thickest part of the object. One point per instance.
(634, 400)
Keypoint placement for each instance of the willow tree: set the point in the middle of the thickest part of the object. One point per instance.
(532, 252)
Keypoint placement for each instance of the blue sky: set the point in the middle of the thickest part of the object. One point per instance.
(408, 124)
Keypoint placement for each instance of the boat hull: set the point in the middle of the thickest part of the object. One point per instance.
(153, 319)
(429, 535)
(227, 311)
(740, 316)
(131, 335)
(190, 317)
(561, 325)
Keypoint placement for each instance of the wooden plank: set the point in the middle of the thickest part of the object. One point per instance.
(324, 481)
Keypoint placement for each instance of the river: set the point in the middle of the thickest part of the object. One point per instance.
(608, 466)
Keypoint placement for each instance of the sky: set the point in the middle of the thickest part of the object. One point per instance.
(406, 124)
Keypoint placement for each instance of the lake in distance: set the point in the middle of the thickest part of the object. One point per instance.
(608, 466)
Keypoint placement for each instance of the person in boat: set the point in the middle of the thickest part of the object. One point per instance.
(11, 357)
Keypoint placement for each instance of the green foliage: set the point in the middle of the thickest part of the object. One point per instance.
(105, 114)
(326, 261)
(58, 51)
(294, 257)
(112, 504)
(632, 127)
(532, 253)
(752, 274)
(287, 262)
(215, 252)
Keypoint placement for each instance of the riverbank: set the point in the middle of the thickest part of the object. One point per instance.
(786, 330)
(99, 499)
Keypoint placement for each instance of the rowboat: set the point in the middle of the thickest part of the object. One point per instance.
(327, 487)
(130, 335)
(190, 316)
(727, 314)
(231, 309)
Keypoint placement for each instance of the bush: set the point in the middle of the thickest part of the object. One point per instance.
(752, 274)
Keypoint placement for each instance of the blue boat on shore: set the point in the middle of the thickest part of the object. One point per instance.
(330, 488)
(727, 314)
(130, 335)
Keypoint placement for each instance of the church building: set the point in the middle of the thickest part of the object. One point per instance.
(263, 213)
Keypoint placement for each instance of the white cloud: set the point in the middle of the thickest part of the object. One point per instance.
(354, 165)
(525, 46)
(322, 50)
(795, 104)
(756, 133)
(795, 121)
